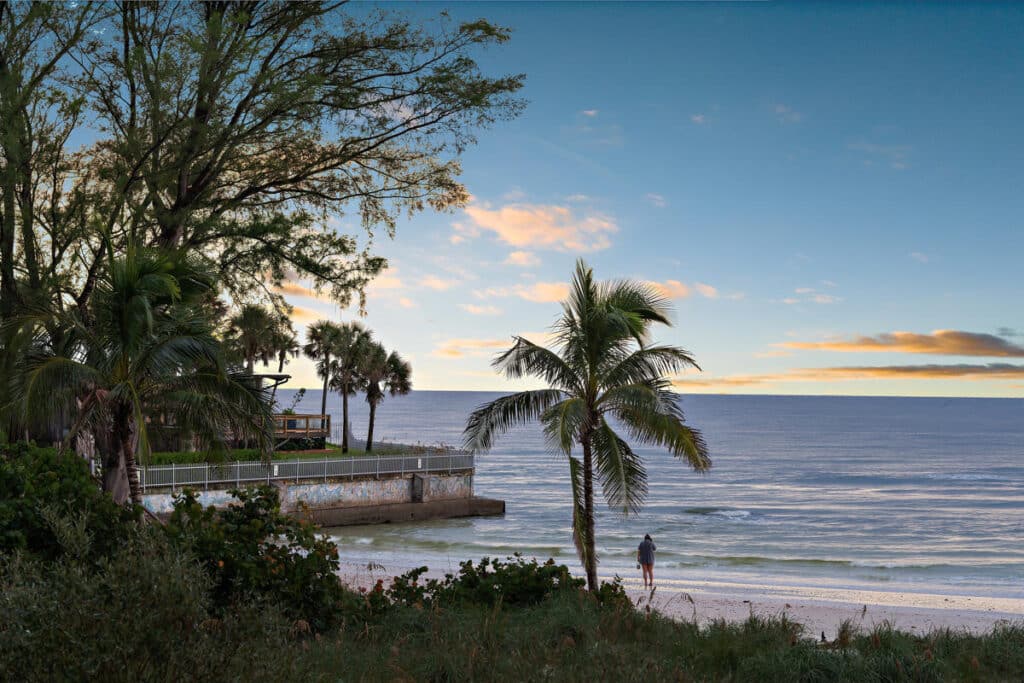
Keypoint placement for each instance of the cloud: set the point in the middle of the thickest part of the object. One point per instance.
(787, 114)
(406, 302)
(525, 259)
(577, 198)
(706, 290)
(919, 257)
(476, 309)
(514, 195)
(304, 316)
(699, 119)
(656, 199)
(671, 289)
(966, 372)
(541, 226)
(538, 292)
(809, 295)
(939, 342)
(591, 113)
(458, 348)
(387, 280)
(437, 283)
(896, 156)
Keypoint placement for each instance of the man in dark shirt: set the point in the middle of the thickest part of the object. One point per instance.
(645, 558)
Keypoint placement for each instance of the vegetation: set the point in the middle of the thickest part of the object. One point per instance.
(382, 373)
(222, 597)
(142, 350)
(353, 340)
(603, 367)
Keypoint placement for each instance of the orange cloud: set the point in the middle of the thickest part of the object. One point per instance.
(306, 315)
(544, 292)
(996, 371)
(522, 258)
(295, 289)
(480, 310)
(939, 342)
(406, 302)
(457, 348)
(671, 289)
(541, 226)
(436, 283)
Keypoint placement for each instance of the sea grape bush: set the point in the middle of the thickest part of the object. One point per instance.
(516, 582)
(39, 482)
(252, 551)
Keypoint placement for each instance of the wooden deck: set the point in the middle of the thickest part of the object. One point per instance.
(302, 426)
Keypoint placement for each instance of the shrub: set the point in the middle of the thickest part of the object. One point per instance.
(252, 551)
(515, 582)
(37, 482)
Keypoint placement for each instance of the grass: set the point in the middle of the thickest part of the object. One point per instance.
(571, 638)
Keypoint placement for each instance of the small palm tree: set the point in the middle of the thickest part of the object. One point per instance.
(322, 337)
(353, 342)
(250, 335)
(284, 344)
(144, 351)
(602, 367)
(383, 373)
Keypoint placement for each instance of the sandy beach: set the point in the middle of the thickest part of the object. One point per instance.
(818, 609)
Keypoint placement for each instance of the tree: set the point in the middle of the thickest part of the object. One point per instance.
(284, 344)
(602, 367)
(322, 338)
(251, 335)
(145, 352)
(352, 344)
(383, 373)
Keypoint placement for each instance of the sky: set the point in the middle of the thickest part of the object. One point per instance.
(830, 194)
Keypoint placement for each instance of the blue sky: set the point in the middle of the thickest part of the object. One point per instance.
(832, 195)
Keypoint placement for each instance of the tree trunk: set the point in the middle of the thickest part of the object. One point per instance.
(125, 440)
(588, 512)
(327, 377)
(280, 369)
(369, 433)
(344, 420)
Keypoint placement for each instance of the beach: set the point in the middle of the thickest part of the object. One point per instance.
(817, 610)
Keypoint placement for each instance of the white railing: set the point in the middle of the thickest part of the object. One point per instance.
(205, 475)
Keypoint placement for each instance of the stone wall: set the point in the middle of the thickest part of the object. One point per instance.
(339, 493)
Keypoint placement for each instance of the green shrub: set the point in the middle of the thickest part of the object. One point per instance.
(37, 482)
(252, 551)
(143, 613)
(516, 583)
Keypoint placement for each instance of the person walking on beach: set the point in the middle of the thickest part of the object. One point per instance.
(645, 558)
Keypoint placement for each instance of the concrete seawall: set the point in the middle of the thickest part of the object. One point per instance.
(365, 500)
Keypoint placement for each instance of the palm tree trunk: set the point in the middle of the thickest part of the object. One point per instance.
(126, 444)
(588, 513)
(369, 434)
(280, 369)
(327, 377)
(344, 420)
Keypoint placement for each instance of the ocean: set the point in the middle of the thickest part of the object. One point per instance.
(867, 493)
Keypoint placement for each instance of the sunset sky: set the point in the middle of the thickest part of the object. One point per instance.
(831, 195)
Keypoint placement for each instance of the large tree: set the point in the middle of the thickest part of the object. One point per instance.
(322, 338)
(602, 369)
(146, 352)
(250, 335)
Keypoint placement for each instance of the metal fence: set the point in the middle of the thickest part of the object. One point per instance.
(206, 474)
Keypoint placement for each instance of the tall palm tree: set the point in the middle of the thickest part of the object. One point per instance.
(250, 335)
(144, 350)
(353, 342)
(602, 367)
(284, 344)
(322, 338)
(383, 373)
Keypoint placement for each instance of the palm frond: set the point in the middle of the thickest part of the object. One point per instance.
(648, 363)
(492, 419)
(653, 416)
(621, 472)
(564, 423)
(528, 359)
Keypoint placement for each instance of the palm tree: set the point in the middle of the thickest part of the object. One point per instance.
(322, 338)
(602, 367)
(383, 373)
(144, 350)
(251, 334)
(353, 342)
(283, 344)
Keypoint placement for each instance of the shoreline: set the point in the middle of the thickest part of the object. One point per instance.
(817, 609)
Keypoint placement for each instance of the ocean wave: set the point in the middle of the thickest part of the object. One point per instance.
(963, 477)
(730, 514)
